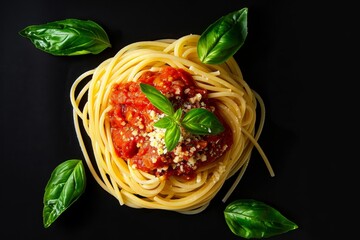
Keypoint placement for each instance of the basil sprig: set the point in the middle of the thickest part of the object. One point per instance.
(196, 121)
(223, 38)
(68, 37)
(65, 186)
(249, 218)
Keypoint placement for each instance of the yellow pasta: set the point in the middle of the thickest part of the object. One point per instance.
(236, 101)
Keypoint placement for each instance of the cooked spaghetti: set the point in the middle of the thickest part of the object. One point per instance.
(129, 158)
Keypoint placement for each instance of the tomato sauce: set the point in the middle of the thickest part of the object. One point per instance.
(137, 141)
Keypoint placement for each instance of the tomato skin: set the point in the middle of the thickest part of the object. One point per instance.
(132, 117)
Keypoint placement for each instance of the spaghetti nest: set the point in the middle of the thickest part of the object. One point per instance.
(235, 100)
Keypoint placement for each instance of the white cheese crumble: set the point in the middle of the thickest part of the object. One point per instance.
(196, 98)
(157, 140)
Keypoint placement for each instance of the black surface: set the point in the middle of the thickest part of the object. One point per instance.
(38, 134)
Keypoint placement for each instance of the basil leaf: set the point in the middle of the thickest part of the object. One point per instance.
(223, 38)
(202, 122)
(177, 115)
(164, 122)
(249, 218)
(172, 136)
(68, 37)
(66, 184)
(157, 99)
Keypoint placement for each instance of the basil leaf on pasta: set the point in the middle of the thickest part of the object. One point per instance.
(177, 115)
(65, 186)
(172, 136)
(157, 99)
(223, 38)
(68, 37)
(164, 122)
(201, 121)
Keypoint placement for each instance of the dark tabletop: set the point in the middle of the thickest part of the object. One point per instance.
(37, 131)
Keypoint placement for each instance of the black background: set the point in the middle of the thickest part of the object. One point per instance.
(297, 74)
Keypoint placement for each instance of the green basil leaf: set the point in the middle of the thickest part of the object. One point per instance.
(177, 115)
(249, 218)
(172, 136)
(223, 38)
(68, 37)
(202, 122)
(157, 99)
(65, 186)
(164, 122)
